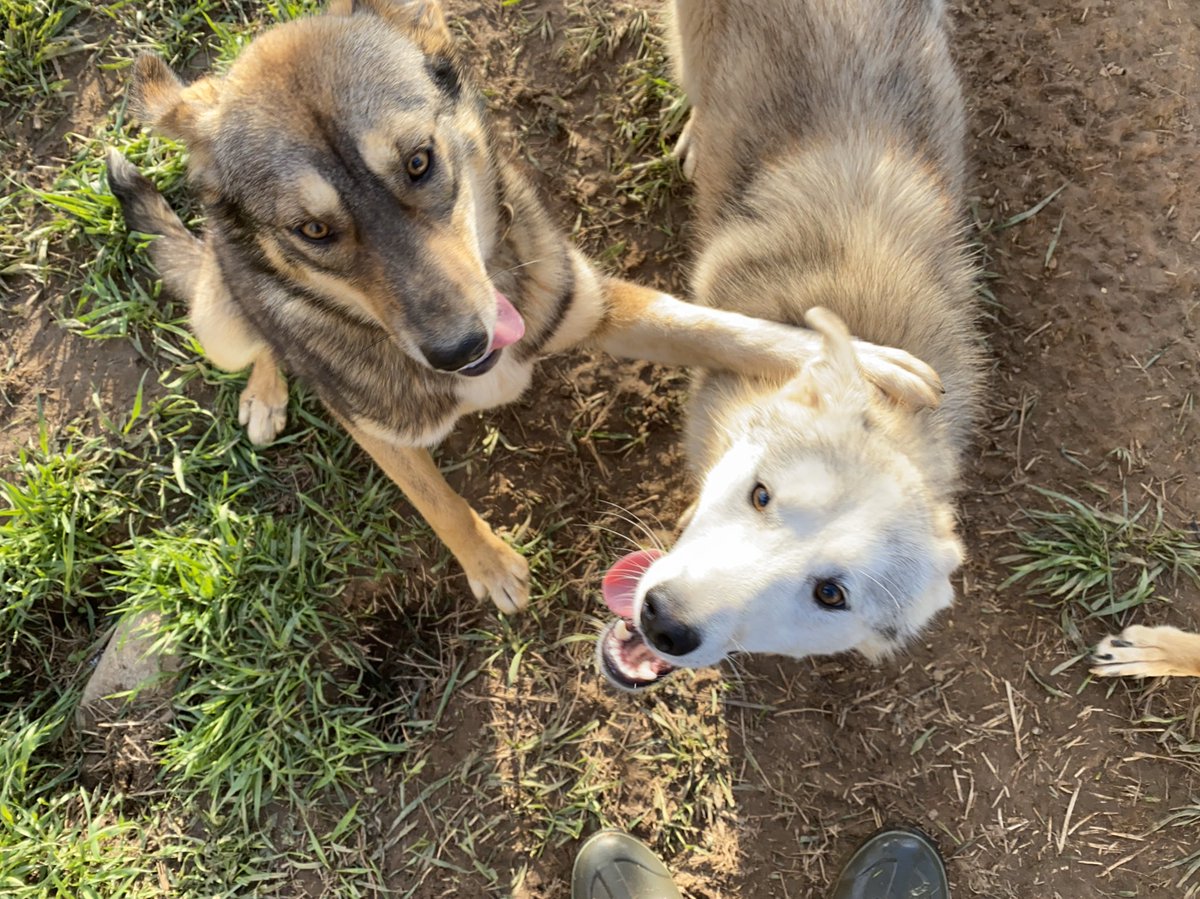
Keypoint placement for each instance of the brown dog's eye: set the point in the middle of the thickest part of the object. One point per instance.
(760, 497)
(418, 164)
(829, 593)
(314, 230)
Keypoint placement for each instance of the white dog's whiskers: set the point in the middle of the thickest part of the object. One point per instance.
(631, 518)
(884, 587)
(621, 537)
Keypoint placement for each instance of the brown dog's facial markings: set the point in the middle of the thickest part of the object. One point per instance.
(353, 187)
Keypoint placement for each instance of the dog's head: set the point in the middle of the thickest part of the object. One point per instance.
(814, 531)
(346, 153)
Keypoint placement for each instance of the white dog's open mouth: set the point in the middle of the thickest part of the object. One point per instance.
(621, 652)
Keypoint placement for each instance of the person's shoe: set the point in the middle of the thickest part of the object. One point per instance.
(614, 865)
(894, 864)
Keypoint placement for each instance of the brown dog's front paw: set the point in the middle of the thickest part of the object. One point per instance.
(500, 573)
(263, 406)
(900, 375)
(264, 421)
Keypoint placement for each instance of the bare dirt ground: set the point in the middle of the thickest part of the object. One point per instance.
(1034, 782)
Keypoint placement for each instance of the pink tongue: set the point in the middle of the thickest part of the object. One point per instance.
(620, 583)
(510, 327)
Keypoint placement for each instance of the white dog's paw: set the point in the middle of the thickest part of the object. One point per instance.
(1140, 651)
(497, 571)
(264, 417)
(685, 150)
(900, 375)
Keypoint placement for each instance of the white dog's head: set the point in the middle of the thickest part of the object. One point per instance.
(815, 532)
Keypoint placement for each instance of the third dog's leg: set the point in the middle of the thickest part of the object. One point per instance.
(690, 25)
(1148, 652)
(493, 569)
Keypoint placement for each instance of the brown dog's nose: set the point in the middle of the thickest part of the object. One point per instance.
(453, 356)
(662, 629)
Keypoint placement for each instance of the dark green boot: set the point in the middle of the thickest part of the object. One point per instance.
(894, 864)
(614, 865)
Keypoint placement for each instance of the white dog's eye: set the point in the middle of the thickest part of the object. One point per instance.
(760, 497)
(829, 593)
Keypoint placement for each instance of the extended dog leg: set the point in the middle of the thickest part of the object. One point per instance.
(688, 53)
(493, 568)
(645, 324)
(1148, 652)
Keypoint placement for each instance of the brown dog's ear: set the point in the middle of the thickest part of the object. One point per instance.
(162, 102)
(422, 20)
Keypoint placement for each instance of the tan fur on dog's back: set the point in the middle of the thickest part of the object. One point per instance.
(786, 152)
(807, 195)
(761, 92)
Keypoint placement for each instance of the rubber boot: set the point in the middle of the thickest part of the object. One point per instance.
(614, 865)
(894, 864)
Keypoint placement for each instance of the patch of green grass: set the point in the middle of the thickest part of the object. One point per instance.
(59, 839)
(37, 34)
(1099, 562)
(247, 561)
(54, 528)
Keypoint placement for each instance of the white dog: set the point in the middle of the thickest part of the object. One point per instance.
(825, 146)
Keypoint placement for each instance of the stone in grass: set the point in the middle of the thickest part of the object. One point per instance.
(126, 706)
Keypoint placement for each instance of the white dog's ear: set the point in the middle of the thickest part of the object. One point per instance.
(832, 379)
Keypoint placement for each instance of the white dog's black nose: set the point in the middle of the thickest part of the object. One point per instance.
(662, 629)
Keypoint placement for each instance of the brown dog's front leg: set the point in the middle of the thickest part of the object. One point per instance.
(262, 407)
(646, 324)
(493, 568)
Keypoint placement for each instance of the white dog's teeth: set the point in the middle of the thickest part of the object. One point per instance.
(621, 631)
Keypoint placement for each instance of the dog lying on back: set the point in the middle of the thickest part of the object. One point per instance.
(366, 233)
(825, 146)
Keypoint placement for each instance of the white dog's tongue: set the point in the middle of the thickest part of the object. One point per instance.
(620, 583)
(510, 327)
